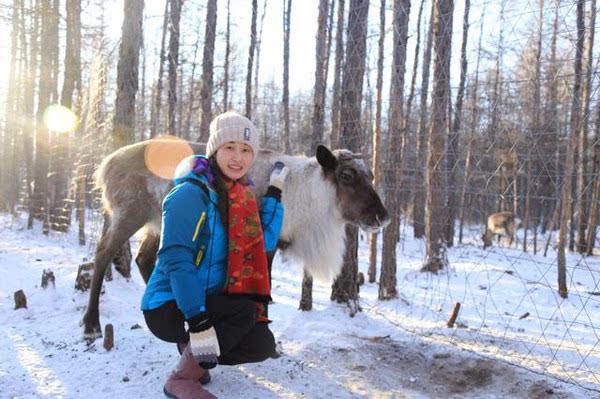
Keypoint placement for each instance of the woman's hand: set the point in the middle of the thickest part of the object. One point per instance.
(278, 175)
(203, 341)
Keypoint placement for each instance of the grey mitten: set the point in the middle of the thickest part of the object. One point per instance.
(203, 341)
(278, 175)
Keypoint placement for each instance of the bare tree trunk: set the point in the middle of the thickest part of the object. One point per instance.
(56, 180)
(533, 164)
(35, 37)
(258, 48)
(495, 107)
(186, 130)
(9, 134)
(320, 76)
(207, 69)
(595, 182)
(61, 210)
(42, 136)
(54, 48)
(127, 74)
(413, 79)
(19, 157)
(569, 162)
(123, 131)
(156, 108)
(175, 17)
(435, 184)
(72, 77)
(453, 139)
(377, 136)
(142, 122)
(419, 198)
(344, 288)
(251, 61)
(339, 59)
(226, 66)
(582, 204)
(526, 215)
(393, 173)
(549, 179)
(471, 140)
(287, 11)
(317, 118)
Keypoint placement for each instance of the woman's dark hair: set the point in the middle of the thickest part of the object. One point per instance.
(221, 189)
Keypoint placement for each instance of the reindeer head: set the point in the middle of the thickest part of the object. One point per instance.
(357, 199)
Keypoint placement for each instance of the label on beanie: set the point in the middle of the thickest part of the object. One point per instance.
(247, 134)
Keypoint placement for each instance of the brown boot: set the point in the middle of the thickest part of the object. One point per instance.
(183, 380)
(205, 379)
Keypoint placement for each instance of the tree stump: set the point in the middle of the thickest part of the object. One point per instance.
(20, 300)
(47, 278)
(84, 276)
(109, 337)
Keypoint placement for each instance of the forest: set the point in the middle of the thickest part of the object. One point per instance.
(476, 118)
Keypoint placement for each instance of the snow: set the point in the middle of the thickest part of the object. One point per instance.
(393, 349)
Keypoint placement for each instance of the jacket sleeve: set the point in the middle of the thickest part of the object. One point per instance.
(271, 215)
(183, 218)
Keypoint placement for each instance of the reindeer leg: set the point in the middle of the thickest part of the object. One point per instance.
(146, 255)
(122, 260)
(114, 237)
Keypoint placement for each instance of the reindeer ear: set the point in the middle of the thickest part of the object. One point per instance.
(326, 158)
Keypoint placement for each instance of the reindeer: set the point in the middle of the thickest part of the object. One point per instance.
(501, 224)
(321, 195)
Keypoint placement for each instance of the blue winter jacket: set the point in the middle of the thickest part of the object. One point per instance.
(192, 256)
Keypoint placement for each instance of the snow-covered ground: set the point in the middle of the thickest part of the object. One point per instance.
(394, 349)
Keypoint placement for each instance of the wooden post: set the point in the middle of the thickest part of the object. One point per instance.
(109, 337)
(453, 315)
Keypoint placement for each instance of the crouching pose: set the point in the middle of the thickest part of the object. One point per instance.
(211, 272)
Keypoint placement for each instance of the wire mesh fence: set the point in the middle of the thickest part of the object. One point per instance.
(519, 113)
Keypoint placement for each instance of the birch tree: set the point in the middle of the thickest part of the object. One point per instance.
(566, 196)
(375, 165)
(175, 17)
(251, 51)
(287, 13)
(435, 184)
(344, 288)
(207, 69)
(387, 280)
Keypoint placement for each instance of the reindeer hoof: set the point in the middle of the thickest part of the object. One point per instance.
(91, 336)
(91, 329)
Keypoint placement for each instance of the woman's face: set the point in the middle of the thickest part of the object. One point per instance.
(234, 159)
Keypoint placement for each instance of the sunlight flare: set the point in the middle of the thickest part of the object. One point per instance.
(60, 119)
(163, 154)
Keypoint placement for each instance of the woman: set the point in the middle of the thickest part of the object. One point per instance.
(211, 272)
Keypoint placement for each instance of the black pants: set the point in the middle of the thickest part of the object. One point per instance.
(241, 338)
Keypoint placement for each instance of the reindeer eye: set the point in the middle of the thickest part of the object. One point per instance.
(347, 177)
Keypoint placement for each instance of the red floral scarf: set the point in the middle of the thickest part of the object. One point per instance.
(247, 267)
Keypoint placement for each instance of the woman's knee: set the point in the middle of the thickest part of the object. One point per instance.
(166, 323)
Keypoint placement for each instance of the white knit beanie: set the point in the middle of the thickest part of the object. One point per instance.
(231, 126)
